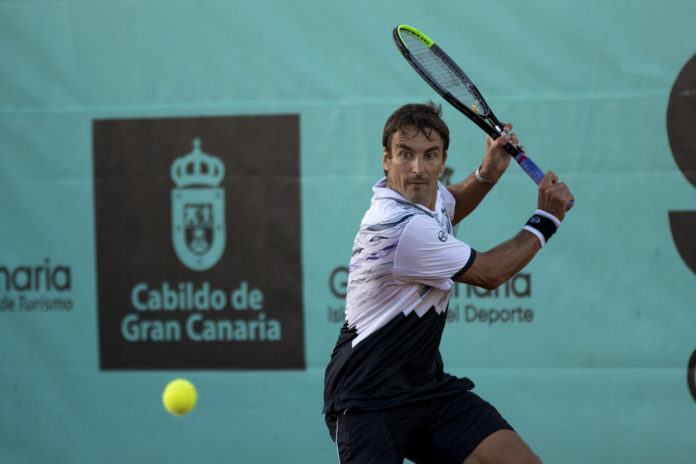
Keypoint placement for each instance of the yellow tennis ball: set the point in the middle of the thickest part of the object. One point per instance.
(179, 396)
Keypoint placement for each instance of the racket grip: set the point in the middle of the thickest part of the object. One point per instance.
(533, 170)
(529, 167)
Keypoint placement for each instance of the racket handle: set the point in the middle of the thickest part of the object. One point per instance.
(529, 167)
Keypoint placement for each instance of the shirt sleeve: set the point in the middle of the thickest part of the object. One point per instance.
(428, 255)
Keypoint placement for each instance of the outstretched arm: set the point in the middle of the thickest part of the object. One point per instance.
(469, 193)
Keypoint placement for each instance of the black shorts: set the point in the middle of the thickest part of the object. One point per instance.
(440, 430)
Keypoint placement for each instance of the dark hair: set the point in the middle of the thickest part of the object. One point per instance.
(425, 118)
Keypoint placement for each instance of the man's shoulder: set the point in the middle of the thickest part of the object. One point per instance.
(391, 210)
(420, 228)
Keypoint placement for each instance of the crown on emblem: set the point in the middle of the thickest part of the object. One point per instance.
(197, 168)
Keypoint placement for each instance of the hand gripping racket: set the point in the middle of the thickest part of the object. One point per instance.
(448, 79)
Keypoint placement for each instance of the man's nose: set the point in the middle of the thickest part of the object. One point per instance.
(417, 165)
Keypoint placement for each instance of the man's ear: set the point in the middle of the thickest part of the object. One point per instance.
(385, 159)
(444, 160)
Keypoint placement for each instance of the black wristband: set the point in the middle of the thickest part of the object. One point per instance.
(543, 225)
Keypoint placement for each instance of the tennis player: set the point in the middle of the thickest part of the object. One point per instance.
(386, 395)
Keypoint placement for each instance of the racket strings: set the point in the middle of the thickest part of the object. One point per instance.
(445, 74)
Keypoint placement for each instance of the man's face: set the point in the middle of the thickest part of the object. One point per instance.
(415, 165)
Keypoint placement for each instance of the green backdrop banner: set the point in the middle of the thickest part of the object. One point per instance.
(118, 275)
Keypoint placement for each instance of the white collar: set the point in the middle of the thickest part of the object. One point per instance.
(382, 192)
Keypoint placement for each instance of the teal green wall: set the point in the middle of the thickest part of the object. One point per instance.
(599, 374)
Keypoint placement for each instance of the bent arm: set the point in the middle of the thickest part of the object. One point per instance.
(468, 195)
(492, 268)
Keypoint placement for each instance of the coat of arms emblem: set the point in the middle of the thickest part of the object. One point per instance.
(198, 209)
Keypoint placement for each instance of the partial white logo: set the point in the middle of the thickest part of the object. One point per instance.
(198, 209)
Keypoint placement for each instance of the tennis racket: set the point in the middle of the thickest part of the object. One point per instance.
(448, 79)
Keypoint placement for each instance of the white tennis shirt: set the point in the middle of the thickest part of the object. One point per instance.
(403, 260)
